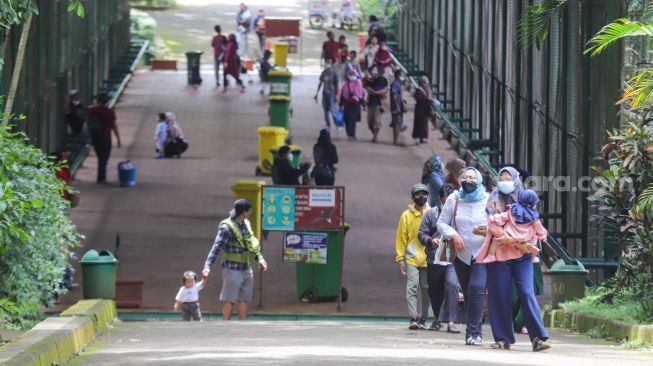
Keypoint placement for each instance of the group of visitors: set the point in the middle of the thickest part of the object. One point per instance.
(456, 235)
(350, 86)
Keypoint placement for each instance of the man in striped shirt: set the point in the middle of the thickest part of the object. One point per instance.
(239, 244)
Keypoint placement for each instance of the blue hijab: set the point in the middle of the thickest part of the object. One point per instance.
(479, 193)
(525, 209)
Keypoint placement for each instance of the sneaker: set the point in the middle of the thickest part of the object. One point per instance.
(414, 324)
(421, 324)
(452, 328)
(473, 341)
(435, 326)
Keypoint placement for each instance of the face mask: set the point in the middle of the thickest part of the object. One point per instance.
(375, 73)
(506, 187)
(401, 78)
(290, 156)
(353, 78)
(469, 186)
(76, 102)
(327, 66)
(420, 201)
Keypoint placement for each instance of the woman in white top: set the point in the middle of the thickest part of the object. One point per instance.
(461, 221)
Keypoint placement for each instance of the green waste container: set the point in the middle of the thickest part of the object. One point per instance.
(279, 111)
(99, 274)
(280, 83)
(193, 57)
(567, 281)
(322, 282)
(148, 56)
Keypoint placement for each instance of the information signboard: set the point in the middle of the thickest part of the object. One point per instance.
(303, 208)
(300, 247)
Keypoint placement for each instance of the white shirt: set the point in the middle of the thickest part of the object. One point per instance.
(161, 134)
(469, 214)
(190, 294)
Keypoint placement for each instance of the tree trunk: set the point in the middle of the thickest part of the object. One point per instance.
(18, 66)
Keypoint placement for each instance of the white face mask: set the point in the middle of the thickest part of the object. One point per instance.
(401, 78)
(375, 73)
(327, 66)
(506, 187)
(290, 156)
(76, 102)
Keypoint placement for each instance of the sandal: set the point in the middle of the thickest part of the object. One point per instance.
(500, 345)
(539, 345)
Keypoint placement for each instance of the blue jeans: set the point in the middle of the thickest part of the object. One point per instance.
(329, 106)
(501, 275)
(472, 278)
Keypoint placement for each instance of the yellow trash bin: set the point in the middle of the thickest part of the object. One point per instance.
(251, 191)
(269, 138)
(280, 51)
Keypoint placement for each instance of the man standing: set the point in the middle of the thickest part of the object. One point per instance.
(411, 256)
(397, 108)
(329, 84)
(101, 121)
(219, 43)
(377, 89)
(239, 244)
(243, 26)
(330, 48)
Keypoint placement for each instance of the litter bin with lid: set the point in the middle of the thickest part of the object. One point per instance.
(269, 138)
(99, 274)
(279, 82)
(251, 191)
(193, 57)
(127, 173)
(280, 51)
(567, 281)
(279, 111)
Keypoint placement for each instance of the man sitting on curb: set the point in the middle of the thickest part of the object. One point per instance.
(235, 237)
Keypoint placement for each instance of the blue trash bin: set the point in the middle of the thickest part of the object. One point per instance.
(127, 173)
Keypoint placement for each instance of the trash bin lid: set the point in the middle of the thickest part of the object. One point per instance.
(103, 256)
(279, 98)
(561, 266)
(268, 130)
(196, 52)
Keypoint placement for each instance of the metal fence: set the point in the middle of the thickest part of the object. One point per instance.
(545, 110)
(64, 52)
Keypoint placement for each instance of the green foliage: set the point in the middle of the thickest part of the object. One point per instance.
(35, 233)
(143, 26)
(623, 202)
(606, 303)
(14, 12)
(385, 11)
(619, 29)
(533, 28)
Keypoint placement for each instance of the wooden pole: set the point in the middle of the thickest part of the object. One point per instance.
(18, 66)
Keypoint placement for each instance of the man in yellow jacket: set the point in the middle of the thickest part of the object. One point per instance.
(411, 256)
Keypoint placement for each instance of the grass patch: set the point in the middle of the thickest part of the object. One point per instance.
(637, 345)
(624, 307)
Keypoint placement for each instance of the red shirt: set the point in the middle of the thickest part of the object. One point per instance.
(219, 43)
(105, 115)
(330, 50)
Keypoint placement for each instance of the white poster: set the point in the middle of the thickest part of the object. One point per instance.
(322, 198)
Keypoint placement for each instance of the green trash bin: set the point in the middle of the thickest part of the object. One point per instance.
(148, 56)
(322, 282)
(567, 281)
(279, 111)
(99, 274)
(280, 81)
(193, 57)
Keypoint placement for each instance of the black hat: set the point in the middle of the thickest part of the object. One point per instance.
(240, 206)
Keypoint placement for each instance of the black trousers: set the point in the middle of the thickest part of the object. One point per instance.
(102, 146)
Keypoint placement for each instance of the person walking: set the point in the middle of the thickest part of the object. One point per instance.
(329, 83)
(423, 110)
(243, 26)
(397, 106)
(440, 274)
(232, 64)
(330, 48)
(377, 90)
(101, 122)
(236, 239)
(325, 156)
(383, 57)
(352, 64)
(219, 44)
(411, 256)
(259, 28)
(462, 217)
(73, 112)
(433, 176)
(454, 168)
(371, 48)
(352, 97)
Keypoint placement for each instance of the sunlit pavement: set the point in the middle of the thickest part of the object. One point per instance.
(332, 343)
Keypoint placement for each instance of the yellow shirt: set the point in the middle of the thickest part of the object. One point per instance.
(408, 246)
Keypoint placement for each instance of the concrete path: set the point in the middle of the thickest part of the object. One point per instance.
(332, 343)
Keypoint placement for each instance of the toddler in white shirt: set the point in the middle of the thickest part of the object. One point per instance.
(187, 299)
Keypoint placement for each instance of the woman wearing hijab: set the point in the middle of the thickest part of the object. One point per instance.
(462, 215)
(423, 110)
(352, 97)
(176, 141)
(433, 176)
(232, 63)
(509, 186)
(325, 156)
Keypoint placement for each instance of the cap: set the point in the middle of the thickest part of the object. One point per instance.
(419, 187)
(72, 92)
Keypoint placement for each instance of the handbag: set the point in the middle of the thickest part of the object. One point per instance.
(339, 118)
(449, 243)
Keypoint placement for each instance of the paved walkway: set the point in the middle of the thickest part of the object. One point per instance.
(332, 343)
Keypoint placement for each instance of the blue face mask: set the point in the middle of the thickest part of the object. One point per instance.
(506, 187)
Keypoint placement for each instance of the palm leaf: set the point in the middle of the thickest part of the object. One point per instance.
(533, 28)
(619, 29)
(647, 14)
(639, 90)
(645, 202)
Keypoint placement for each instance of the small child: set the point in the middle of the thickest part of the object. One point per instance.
(188, 297)
(160, 135)
(264, 69)
(520, 222)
